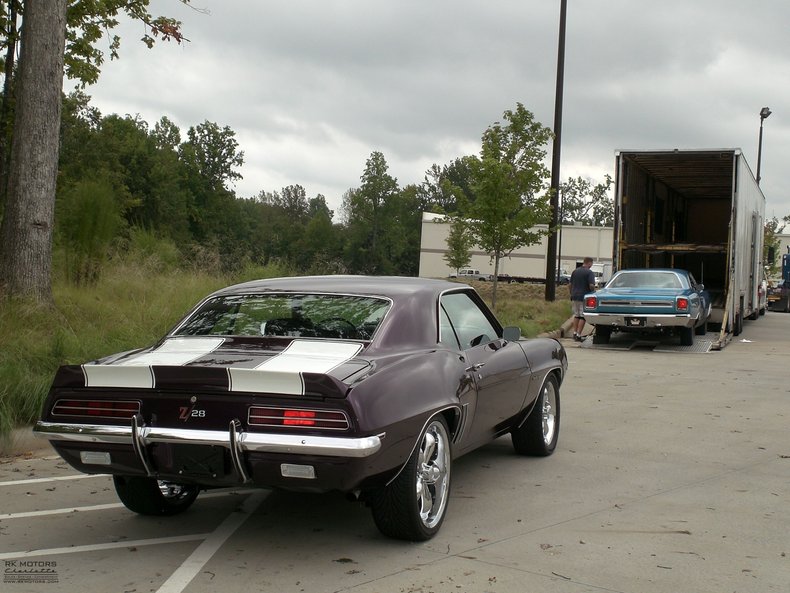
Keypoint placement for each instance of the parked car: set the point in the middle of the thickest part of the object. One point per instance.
(778, 297)
(649, 300)
(470, 274)
(372, 386)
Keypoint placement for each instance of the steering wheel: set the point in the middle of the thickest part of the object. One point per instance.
(340, 325)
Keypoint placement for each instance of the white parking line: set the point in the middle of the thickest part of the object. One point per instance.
(184, 574)
(28, 514)
(103, 507)
(52, 479)
(108, 546)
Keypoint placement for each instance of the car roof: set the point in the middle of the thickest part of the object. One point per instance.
(385, 286)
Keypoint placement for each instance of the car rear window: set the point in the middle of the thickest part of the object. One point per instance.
(645, 280)
(293, 315)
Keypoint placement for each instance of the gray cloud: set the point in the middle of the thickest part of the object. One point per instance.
(312, 87)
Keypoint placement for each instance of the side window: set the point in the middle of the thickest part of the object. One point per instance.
(447, 335)
(470, 323)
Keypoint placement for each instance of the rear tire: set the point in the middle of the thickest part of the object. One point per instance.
(538, 434)
(148, 496)
(686, 336)
(413, 506)
(602, 334)
(701, 330)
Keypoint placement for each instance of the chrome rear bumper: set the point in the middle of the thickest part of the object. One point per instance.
(138, 436)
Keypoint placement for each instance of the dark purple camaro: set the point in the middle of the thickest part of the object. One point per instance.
(367, 385)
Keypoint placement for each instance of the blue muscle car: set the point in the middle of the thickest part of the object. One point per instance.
(654, 300)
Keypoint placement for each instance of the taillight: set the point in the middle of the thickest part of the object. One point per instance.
(591, 302)
(297, 418)
(682, 304)
(124, 410)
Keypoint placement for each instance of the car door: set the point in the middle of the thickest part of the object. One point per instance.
(498, 369)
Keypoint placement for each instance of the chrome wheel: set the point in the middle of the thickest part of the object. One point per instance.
(148, 496)
(413, 505)
(538, 433)
(549, 405)
(433, 474)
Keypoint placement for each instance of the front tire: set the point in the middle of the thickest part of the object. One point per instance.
(413, 506)
(148, 496)
(538, 434)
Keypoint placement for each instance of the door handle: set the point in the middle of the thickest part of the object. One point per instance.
(475, 367)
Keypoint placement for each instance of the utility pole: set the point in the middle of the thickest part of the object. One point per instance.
(551, 248)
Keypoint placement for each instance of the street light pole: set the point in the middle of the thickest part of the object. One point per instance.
(764, 112)
(551, 246)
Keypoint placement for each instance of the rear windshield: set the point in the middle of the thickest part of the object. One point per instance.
(646, 279)
(293, 315)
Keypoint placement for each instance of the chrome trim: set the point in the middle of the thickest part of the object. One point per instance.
(138, 444)
(652, 320)
(247, 441)
(234, 431)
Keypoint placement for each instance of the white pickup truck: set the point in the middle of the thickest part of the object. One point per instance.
(470, 274)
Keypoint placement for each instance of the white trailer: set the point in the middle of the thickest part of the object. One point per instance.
(700, 210)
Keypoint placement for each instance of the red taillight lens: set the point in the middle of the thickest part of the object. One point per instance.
(591, 302)
(297, 418)
(96, 408)
(682, 304)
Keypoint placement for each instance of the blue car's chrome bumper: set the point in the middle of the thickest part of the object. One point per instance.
(640, 320)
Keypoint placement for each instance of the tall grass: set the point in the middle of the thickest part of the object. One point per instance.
(133, 303)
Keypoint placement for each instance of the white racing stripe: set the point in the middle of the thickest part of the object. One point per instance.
(137, 372)
(283, 373)
(279, 374)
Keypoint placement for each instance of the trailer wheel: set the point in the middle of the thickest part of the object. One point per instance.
(737, 327)
(602, 334)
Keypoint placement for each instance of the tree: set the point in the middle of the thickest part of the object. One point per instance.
(585, 203)
(459, 245)
(507, 178)
(48, 26)
(366, 217)
(26, 230)
(445, 187)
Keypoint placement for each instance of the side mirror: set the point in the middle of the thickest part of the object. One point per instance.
(511, 333)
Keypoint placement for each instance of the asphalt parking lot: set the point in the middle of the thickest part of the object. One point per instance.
(671, 475)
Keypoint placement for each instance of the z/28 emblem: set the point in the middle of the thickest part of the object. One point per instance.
(187, 412)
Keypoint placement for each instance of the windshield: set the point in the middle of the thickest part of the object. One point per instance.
(293, 315)
(645, 279)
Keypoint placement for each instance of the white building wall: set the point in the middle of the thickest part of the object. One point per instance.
(574, 244)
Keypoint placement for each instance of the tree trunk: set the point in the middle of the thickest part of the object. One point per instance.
(26, 232)
(496, 282)
(5, 106)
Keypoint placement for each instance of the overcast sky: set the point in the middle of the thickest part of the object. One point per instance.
(312, 87)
